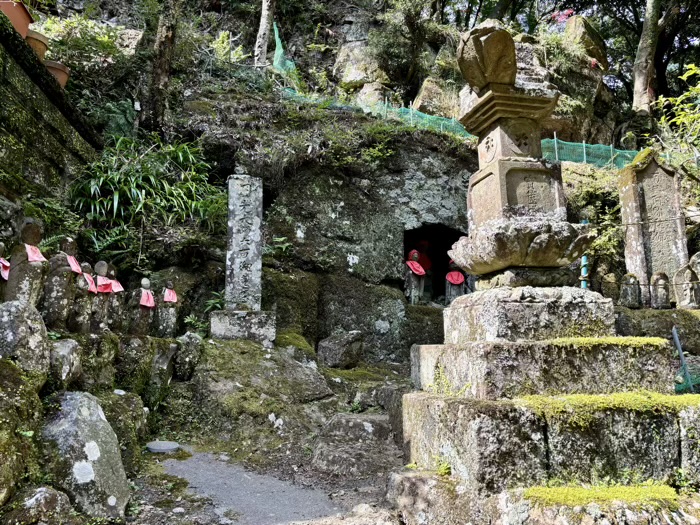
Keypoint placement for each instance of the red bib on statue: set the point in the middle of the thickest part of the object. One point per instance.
(74, 265)
(147, 299)
(4, 269)
(91, 283)
(104, 285)
(117, 286)
(455, 278)
(170, 296)
(415, 267)
(33, 254)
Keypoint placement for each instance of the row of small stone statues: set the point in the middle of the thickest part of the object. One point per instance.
(685, 291)
(72, 298)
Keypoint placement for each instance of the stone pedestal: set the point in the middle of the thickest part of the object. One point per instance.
(255, 326)
(514, 314)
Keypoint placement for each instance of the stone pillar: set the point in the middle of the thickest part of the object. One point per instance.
(652, 216)
(242, 318)
(244, 252)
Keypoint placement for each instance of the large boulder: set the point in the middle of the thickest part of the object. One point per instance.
(23, 338)
(20, 412)
(66, 365)
(437, 97)
(97, 361)
(341, 350)
(84, 457)
(580, 31)
(186, 359)
(355, 66)
(42, 506)
(129, 420)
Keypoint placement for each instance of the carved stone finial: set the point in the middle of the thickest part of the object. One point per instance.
(486, 55)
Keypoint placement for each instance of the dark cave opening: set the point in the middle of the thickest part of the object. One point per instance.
(432, 240)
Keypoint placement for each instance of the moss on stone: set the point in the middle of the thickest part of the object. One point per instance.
(290, 338)
(97, 360)
(134, 363)
(580, 409)
(577, 496)
(126, 416)
(591, 342)
(295, 295)
(359, 374)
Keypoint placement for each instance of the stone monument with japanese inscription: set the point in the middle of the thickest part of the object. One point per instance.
(653, 220)
(242, 318)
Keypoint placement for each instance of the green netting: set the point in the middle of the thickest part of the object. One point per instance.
(281, 63)
(596, 154)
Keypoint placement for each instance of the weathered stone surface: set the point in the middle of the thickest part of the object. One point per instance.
(528, 313)
(436, 98)
(651, 207)
(630, 292)
(565, 366)
(20, 412)
(341, 350)
(134, 363)
(165, 319)
(356, 445)
(660, 291)
(486, 55)
(517, 277)
(81, 309)
(689, 424)
(23, 337)
(128, 418)
(254, 326)
(504, 243)
(587, 445)
(580, 31)
(59, 293)
(26, 280)
(491, 445)
(162, 447)
(66, 365)
(161, 372)
(97, 360)
(355, 66)
(187, 357)
(86, 460)
(42, 506)
(686, 288)
(140, 316)
(659, 323)
(294, 296)
(244, 251)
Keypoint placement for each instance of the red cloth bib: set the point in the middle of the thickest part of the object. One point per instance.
(91, 283)
(147, 299)
(104, 285)
(170, 296)
(415, 267)
(74, 264)
(4, 268)
(455, 278)
(117, 286)
(33, 254)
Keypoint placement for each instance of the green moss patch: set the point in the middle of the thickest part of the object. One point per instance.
(576, 496)
(359, 374)
(625, 342)
(291, 338)
(580, 409)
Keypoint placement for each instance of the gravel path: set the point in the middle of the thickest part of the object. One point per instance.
(246, 498)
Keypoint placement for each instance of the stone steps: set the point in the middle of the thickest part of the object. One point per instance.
(492, 446)
(495, 370)
(424, 497)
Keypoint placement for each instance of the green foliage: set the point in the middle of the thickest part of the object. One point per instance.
(442, 386)
(280, 246)
(559, 54)
(139, 189)
(192, 322)
(216, 302)
(224, 51)
(442, 466)
(55, 215)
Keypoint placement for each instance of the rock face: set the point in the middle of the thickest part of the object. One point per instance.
(20, 412)
(356, 445)
(580, 31)
(43, 505)
(127, 417)
(187, 356)
(23, 337)
(66, 367)
(86, 460)
(355, 66)
(342, 350)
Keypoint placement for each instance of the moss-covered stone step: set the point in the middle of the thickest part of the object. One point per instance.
(497, 445)
(659, 323)
(494, 370)
(425, 497)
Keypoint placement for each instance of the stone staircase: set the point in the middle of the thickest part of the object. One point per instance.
(508, 415)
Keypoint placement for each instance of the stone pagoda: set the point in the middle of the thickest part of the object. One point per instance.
(520, 394)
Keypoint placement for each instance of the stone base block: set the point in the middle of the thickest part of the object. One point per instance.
(514, 314)
(517, 277)
(424, 498)
(659, 323)
(490, 446)
(495, 370)
(493, 446)
(255, 326)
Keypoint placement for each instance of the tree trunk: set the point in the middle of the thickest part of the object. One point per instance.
(155, 102)
(260, 50)
(643, 70)
(499, 10)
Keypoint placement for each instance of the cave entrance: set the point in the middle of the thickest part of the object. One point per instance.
(433, 240)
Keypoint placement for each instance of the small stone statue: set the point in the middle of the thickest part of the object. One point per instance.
(415, 278)
(115, 304)
(630, 292)
(455, 283)
(25, 282)
(100, 313)
(81, 311)
(4, 271)
(660, 291)
(687, 287)
(59, 290)
(166, 314)
(141, 305)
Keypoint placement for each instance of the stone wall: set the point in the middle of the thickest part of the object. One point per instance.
(44, 140)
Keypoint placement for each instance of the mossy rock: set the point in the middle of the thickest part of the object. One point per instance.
(125, 413)
(661, 496)
(134, 363)
(291, 339)
(98, 357)
(20, 417)
(295, 294)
